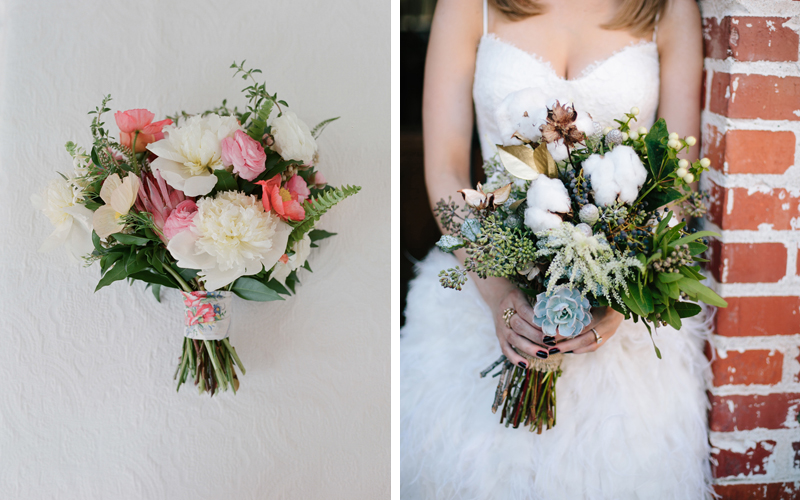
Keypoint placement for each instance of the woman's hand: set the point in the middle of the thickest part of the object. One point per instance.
(605, 322)
(522, 335)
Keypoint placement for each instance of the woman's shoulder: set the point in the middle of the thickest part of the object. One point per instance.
(464, 17)
(680, 19)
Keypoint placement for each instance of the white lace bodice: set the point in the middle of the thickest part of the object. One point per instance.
(607, 89)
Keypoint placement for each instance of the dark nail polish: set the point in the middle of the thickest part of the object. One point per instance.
(542, 354)
(568, 352)
(522, 364)
(549, 341)
(555, 350)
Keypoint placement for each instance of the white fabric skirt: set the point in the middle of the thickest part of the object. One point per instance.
(630, 426)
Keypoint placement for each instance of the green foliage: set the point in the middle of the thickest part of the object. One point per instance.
(449, 243)
(317, 130)
(317, 207)
(252, 289)
(471, 229)
(225, 181)
(258, 126)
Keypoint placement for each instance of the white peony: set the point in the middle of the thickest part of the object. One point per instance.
(616, 175)
(546, 197)
(189, 154)
(61, 203)
(521, 113)
(301, 250)
(232, 236)
(293, 139)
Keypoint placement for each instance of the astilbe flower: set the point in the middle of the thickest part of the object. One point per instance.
(159, 199)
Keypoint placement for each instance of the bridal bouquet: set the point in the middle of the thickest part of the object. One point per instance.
(575, 217)
(213, 204)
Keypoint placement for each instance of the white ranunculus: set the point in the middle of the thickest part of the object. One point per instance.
(546, 198)
(293, 139)
(189, 154)
(301, 250)
(616, 175)
(61, 203)
(231, 236)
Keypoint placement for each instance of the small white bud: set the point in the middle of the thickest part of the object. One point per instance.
(689, 178)
(633, 135)
(607, 130)
(705, 163)
(691, 141)
(674, 137)
(642, 130)
(683, 163)
(634, 111)
(674, 144)
(681, 172)
(624, 136)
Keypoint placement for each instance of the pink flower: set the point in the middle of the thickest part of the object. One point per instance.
(283, 201)
(156, 197)
(297, 185)
(246, 155)
(180, 219)
(139, 120)
(318, 180)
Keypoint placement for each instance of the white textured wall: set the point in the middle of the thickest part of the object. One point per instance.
(88, 407)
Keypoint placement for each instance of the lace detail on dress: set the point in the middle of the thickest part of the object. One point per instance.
(605, 89)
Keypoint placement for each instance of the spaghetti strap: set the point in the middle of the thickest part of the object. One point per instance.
(485, 17)
(655, 27)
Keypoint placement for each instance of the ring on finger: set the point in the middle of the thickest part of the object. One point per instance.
(597, 337)
(507, 314)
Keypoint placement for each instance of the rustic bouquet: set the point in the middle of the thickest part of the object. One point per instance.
(213, 204)
(574, 216)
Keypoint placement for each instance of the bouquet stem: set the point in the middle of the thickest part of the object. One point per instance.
(211, 364)
(527, 396)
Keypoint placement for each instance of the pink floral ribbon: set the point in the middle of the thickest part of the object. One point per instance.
(207, 315)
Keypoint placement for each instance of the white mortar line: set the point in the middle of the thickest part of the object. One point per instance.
(748, 8)
(766, 68)
(780, 463)
(769, 342)
(764, 235)
(789, 180)
(786, 287)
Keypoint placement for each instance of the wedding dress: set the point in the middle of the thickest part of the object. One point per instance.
(630, 426)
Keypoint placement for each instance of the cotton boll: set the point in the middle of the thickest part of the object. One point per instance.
(546, 196)
(600, 170)
(511, 116)
(541, 220)
(585, 124)
(558, 150)
(629, 172)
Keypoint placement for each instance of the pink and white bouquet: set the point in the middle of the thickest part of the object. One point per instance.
(213, 204)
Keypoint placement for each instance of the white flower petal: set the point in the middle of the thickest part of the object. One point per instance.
(163, 149)
(171, 171)
(184, 249)
(214, 278)
(110, 185)
(199, 185)
(105, 222)
(79, 241)
(279, 241)
(124, 196)
(57, 237)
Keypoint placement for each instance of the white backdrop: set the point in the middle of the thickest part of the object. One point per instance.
(88, 407)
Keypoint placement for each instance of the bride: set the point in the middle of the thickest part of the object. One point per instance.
(629, 425)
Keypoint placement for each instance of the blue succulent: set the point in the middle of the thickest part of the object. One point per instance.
(563, 312)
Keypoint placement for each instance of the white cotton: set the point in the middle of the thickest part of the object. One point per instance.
(585, 124)
(512, 120)
(558, 150)
(600, 170)
(629, 172)
(546, 197)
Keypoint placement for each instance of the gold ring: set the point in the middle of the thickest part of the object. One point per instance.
(597, 338)
(507, 314)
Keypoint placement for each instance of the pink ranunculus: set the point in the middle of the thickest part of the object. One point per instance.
(280, 199)
(297, 185)
(245, 154)
(180, 219)
(139, 120)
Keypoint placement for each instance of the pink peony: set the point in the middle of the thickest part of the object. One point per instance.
(283, 201)
(139, 120)
(246, 155)
(180, 219)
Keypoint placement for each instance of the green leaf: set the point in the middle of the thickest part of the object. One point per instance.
(687, 309)
(471, 229)
(95, 159)
(259, 123)
(702, 292)
(131, 239)
(640, 297)
(318, 206)
(97, 244)
(187, 274)
(116, 273)
(696, 248)
(695, 236)
(291, 281)
(668, 277)
(319, 234)
(156, 292)
(448, 243)
(692, 273)
(317, 131)
(277, 286)
(656, 149)
(250, 289)
(656, 199)
(154, 278)
(108, 259)
(672, 318)
(225, 181)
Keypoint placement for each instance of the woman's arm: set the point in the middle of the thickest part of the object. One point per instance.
(447, 133)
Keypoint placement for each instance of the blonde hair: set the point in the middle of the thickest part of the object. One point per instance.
(637, 16)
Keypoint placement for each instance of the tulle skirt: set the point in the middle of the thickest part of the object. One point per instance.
(630, 426)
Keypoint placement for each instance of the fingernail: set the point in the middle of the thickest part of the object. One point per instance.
(555, 350)
(542, 354)
(568, 352)
(549, 341)
(522, 364)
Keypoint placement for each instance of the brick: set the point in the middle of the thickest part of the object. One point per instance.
(750, 463)
(765, 491)
(747, 262)
(758, 151)
(750, 39)
(796, 449)
(756, 316)
(771, 411)
(736, 208)
(759, 366)
(755, 96)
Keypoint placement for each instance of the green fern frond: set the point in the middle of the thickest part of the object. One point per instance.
(317, 131)
(259, 123)
(317, 207)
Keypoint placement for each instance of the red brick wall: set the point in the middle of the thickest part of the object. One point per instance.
(751, 133)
